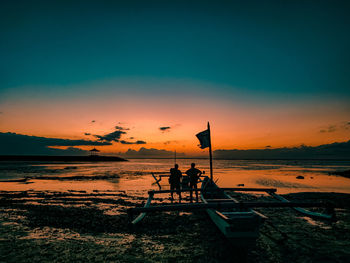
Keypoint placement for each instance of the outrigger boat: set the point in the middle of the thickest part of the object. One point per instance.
(237, 221)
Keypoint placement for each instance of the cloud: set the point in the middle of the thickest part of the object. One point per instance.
(169, 142)
(150, 153)
(165, 128)
(326, 151)
(137, 142)
(87, 133)
(121, 128)
(93, 121)
(116, 136)
(110, 137)
(333, 128)
(19, 144)
(347, 125)
(330, 128)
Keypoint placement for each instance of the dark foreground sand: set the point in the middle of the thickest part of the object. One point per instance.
(44, 226)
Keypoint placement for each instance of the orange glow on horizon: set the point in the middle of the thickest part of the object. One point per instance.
(235, 124)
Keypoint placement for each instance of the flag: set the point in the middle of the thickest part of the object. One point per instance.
(204, 139)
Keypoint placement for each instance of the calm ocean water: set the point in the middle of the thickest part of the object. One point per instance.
(135, 174)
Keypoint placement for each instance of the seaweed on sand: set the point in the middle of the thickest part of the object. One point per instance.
(79, 219)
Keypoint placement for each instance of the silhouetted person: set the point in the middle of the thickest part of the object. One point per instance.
(174, 181)
(193, 173)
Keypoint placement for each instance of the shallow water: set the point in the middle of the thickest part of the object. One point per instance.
(135, 175)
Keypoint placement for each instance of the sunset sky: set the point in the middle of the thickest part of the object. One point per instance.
(264, 73)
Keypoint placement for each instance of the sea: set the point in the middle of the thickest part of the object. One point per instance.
(287, 176)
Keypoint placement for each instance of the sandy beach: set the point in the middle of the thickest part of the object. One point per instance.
(93, 226)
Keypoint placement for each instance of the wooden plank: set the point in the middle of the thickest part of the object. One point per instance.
(222, 215)
(217, 189)
(142, 215)
(157, 180)
(249, 189)
(232, 199)
(167, 175)
(218, 200)
(260, 214)
(175, 191)
(218, 205)
(307, 212)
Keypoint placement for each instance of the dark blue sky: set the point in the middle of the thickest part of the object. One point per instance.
(273, 47)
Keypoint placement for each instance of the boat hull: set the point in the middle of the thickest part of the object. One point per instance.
(240, 227)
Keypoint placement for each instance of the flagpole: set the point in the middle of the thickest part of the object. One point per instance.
(210, 155)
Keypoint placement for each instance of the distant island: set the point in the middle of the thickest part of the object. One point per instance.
(53, 158)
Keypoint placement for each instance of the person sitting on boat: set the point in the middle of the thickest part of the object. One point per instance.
(174, 181)
(193, 173)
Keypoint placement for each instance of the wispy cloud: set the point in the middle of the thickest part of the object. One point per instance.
(111, 137)
(169, 142)
(120, 128)
(116, 136)
(345, 125)
(13, 143)
(165, 128)
(137, 142)
(330, 128)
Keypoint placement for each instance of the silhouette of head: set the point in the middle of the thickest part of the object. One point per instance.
(176, 166)
(193, 165)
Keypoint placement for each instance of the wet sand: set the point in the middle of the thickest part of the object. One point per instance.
(92, 226)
